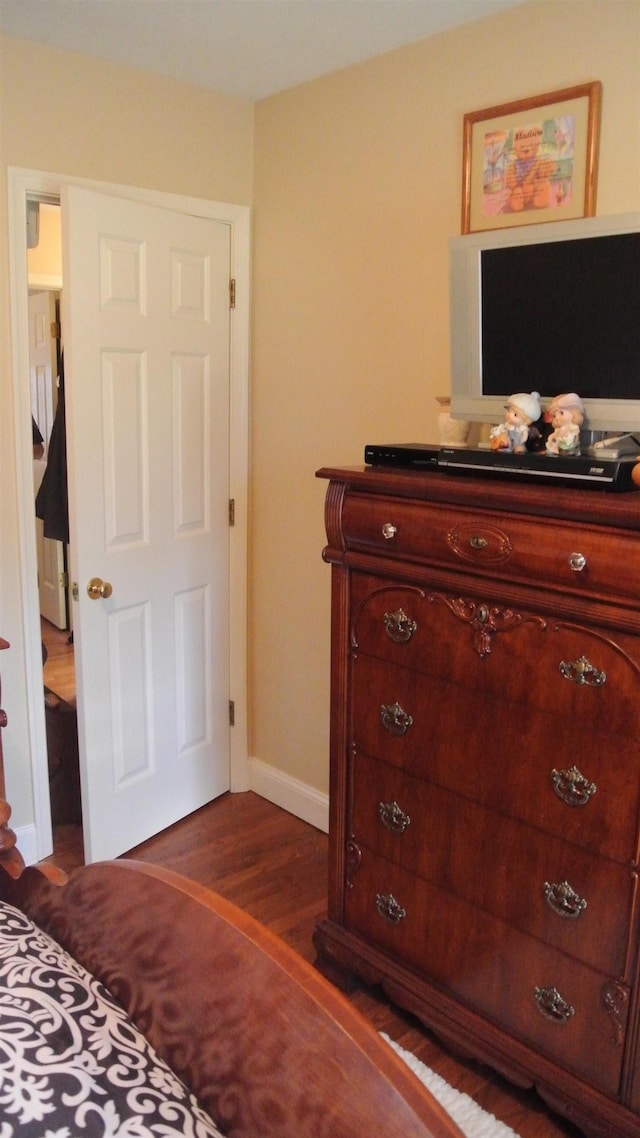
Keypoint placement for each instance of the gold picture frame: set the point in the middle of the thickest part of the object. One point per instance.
(531, 161)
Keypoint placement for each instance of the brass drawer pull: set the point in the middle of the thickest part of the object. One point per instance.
(580, 671)
(399, 627)
(564, 900)
(394, 719)
(389, 909)
(572, 787)
(577, 562)
(388, 530)
(552, 1006)
(393, 818)
(478, 542)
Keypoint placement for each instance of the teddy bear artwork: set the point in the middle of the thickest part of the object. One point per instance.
(528, 176)
(528, 166)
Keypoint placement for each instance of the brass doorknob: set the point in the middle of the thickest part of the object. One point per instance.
(98, 588)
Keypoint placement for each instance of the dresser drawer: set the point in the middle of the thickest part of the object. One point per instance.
(515, 656)
(493, 968)
(558, 892)
(515, 759)
(586, 559)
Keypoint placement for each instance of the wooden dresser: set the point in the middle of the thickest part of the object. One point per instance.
(485, 773)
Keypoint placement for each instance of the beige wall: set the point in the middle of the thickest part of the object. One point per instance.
(357, 190)
(67, 113)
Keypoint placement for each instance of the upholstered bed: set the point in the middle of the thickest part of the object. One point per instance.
(71, 1060)
(233, 1015)
(135, 1003)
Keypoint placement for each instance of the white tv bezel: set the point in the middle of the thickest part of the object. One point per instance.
(467, 399)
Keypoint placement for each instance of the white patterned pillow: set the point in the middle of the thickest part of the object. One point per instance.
(71, 1062)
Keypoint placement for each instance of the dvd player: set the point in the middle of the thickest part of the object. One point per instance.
(582, 471)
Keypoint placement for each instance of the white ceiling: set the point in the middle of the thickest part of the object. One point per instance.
(250, 48)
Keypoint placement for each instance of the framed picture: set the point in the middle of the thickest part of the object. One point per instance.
(531, 161)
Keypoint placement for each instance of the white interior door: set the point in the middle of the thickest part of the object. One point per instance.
(147, 399)
(42, 379)
(51, 578)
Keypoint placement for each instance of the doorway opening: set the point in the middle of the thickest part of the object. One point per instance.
(61, 721)
(46, 383)
(36, 835)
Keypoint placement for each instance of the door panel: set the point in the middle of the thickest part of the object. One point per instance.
(147, 384)
(51, 578)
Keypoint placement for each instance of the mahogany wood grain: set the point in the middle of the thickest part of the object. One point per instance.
(11, 860)
(591, 506)
(268, 1046)
(523, 658)
(274, 866)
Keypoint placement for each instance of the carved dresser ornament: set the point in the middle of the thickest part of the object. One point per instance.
(485, 621)
(614, 997)
(353, 861)
(492, 545)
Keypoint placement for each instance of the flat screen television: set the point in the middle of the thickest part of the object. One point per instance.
(550, 308)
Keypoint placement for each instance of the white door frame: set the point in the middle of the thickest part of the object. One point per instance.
(22, 183)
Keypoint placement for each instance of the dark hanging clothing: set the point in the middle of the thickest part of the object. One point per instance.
(35, 431)
(52, 504)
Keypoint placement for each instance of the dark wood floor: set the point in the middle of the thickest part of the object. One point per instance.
(274, 866)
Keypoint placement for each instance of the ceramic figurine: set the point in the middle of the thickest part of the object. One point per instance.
(521, 411)
(566, 415)
(452, 432)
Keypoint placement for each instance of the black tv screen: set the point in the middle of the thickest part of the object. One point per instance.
(562, 316)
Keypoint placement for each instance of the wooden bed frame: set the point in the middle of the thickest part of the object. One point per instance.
(270, 1048)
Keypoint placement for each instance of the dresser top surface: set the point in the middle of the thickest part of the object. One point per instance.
(595, 507)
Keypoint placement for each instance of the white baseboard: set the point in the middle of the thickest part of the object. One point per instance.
(290, 793)
(297, 797)
(27, 844)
